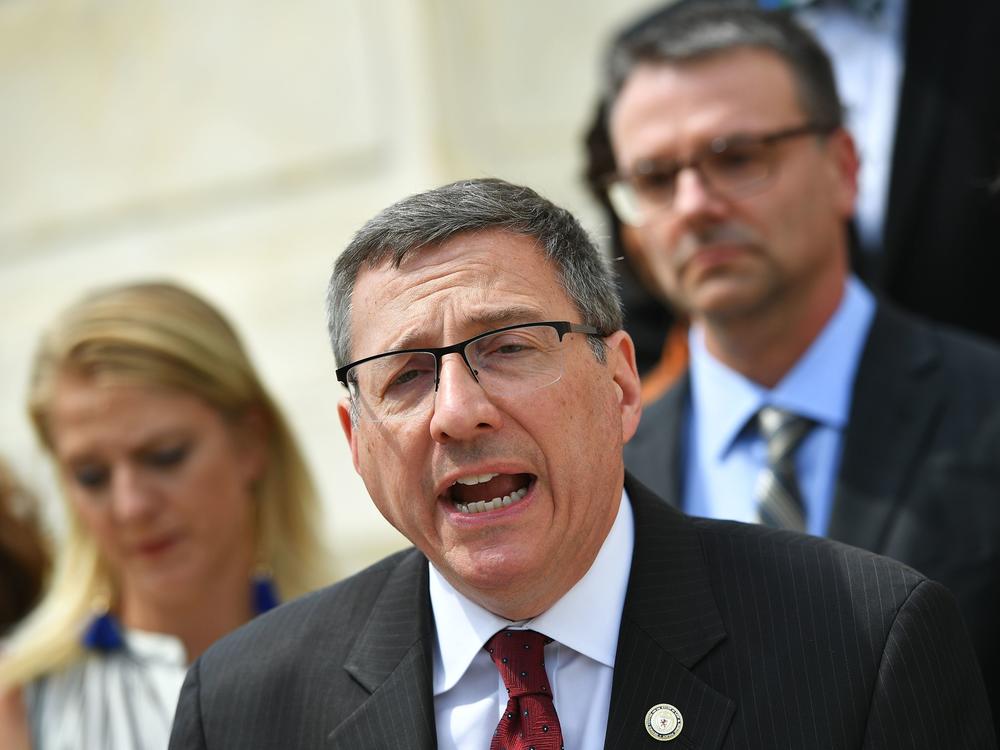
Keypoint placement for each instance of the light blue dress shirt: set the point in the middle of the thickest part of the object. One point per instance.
(724, 452)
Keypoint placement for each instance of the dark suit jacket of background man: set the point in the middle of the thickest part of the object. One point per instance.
(941, 241)
(761, 638)
(919, 478)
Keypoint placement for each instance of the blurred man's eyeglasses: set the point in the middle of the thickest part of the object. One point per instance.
(732, 167)
(508, 361)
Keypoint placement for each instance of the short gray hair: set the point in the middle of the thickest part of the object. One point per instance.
(694, 32)
(430, 218)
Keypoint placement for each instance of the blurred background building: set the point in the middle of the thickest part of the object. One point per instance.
(235, 146)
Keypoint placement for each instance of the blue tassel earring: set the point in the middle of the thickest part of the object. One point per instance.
(265, 593)
(103, 632)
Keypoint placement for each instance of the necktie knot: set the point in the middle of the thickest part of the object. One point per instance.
(520, 658)
(782, 430)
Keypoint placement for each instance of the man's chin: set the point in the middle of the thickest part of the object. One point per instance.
(723, 297)
(494, 569)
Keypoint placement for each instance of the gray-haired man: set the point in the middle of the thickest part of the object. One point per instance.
(551, 601)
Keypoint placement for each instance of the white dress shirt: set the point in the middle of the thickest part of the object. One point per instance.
(469, 694)
(123, 700)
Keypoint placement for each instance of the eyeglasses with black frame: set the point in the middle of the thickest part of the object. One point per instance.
(731, 166)
(509, 361)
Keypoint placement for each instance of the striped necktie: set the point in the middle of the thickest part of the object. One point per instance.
(779, 497)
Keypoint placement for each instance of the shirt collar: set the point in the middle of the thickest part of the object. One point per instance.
(818, 386)
(462, 626)
(147, 646)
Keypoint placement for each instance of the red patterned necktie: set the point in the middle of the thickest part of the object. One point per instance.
(529, 721)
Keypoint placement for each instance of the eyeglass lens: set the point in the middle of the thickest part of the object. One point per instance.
(731, 172)
(508, 362)
(731, 167)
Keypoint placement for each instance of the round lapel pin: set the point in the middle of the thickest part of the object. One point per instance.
(664, 722)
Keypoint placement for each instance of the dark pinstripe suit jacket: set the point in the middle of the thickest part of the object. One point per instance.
(919, 479)
(761, 639)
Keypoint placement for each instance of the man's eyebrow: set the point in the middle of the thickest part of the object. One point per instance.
(477, 322)
(727, 140)
(500, 317)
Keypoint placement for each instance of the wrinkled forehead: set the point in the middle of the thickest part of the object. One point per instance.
(451, 291)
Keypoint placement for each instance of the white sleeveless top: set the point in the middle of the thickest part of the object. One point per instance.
(122, 700)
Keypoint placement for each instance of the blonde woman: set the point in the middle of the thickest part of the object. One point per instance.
(190, 511)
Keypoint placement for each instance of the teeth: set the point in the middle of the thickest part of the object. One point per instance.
(494, 504)
(475, 479)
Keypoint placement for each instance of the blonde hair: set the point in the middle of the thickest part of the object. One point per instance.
(160, 334)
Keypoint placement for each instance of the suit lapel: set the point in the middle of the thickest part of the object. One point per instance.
(655, 452)
(894, 406)
(669, 622)
(392, 660)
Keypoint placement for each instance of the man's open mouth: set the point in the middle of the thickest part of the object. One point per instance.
(476, 493)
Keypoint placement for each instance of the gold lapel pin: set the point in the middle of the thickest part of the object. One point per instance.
(664, 722)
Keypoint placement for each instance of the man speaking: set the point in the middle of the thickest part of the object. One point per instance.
(550, 601)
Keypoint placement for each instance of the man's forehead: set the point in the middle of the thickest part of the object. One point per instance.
(456, 289)
(491, 256)
(745, 78)
(669, 109)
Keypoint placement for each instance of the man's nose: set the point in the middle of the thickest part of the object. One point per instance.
(462, 407)
(694, 195)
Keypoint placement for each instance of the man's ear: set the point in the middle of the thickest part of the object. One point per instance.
(846, 164)
(625, 375)
(348, 426)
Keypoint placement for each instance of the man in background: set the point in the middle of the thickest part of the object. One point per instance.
(808, 403)
(915, 78)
